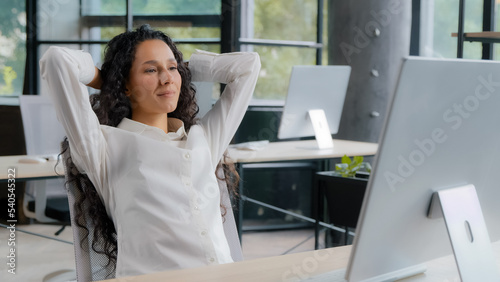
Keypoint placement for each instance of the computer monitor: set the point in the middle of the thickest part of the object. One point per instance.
(42, 130)
(441, 134)
(204, 95)
(314, 88)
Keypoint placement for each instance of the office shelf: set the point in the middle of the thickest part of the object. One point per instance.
(484, 37)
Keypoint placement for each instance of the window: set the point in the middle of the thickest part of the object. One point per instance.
(284, 33)
(12, 47)
(440, 20)
(89, 24)
(496, 47)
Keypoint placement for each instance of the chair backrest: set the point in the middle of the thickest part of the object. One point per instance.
(229, 224)
(43, 132)
(90, 266)
(43, 135)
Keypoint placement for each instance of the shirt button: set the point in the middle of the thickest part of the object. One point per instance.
(211, 259)
(196, 210)
(187, 156)
(204, 233)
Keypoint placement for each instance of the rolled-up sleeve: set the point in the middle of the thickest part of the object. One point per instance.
(239, 71)
(66, 72)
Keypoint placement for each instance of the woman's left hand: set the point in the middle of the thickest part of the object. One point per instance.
(97, 81)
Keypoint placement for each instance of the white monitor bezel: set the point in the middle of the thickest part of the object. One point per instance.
(310, 88)
(393, 229)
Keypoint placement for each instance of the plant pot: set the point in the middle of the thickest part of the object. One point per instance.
(344, 198)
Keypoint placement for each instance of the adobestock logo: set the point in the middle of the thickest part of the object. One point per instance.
(455, 116)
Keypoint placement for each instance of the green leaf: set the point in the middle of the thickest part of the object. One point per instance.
(341, 166)
(367, 167)
(346, 160)
(358, 159)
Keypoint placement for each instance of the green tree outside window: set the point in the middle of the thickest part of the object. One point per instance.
(12, 46)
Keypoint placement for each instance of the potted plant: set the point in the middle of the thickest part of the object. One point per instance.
(355, 168)
(344, 190)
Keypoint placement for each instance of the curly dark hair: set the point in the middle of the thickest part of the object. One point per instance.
(111, 106)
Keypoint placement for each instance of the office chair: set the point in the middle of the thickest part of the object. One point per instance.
(91, 265)
(44, 200)
(229, 224)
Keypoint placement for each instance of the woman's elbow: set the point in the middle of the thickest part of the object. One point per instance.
(255, 59)
(52, 59)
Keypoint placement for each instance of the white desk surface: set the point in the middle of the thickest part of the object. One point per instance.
(27, 170)
(295, 267)
(302, 150)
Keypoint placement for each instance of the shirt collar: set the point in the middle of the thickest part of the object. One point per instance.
(144, 129)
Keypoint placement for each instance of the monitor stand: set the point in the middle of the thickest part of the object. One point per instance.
(467, 231)
(321, 129)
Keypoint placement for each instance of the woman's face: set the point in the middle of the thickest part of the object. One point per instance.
(154, 82)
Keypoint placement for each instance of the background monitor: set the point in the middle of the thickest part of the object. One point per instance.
(42, 130)
(441, 132)
(204, 91)
(313, 87)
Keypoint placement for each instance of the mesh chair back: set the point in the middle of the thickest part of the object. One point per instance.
(90, 266)
(229, 225)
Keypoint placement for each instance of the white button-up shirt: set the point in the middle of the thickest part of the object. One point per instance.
(159, 189)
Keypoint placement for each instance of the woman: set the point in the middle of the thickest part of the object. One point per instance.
(150, 162)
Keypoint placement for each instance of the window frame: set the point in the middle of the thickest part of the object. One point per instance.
(33, 42)
(246, 22)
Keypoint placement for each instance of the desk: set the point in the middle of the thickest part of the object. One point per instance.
(25, 171)
(295, 151)
(291, 267)
(295, 267)
(274, 152)
(56, 207)
(302, 150)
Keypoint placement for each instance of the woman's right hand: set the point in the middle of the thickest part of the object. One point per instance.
(97, 81)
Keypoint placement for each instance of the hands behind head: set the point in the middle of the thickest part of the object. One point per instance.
(97, 81)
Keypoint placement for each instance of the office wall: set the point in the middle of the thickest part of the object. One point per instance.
(372, 37)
